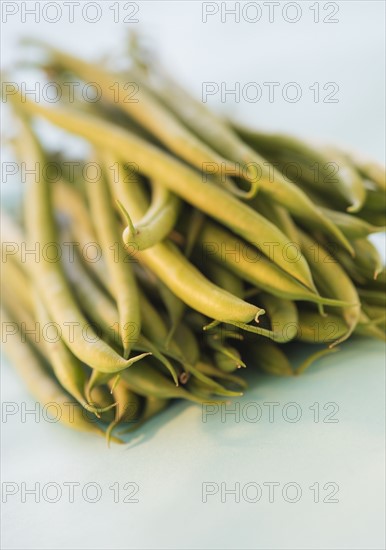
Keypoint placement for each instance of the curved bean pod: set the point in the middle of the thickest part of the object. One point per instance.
(158, 221)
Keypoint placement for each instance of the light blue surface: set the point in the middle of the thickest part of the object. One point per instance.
(177, 452)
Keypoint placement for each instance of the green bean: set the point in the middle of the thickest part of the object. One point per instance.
(104, 313)
(195, 223)
(254, 267)
(49, 278)
(367, 265)
(376, 315)
(149, 112)
(211, 370)
(368, 169)
(225, 278)
(333, 281)
(11, 273)
(312, 358)
(210, 384)
(277, 215)
(12, 238)
(159, 219)
(373, 297)
(375, 201)
(68, 201)
(270, 358)
(147, 381)
(184, 280)
(187, 343)
(179, 178)
(197, 117)
(223, 138)
(22, 316)
(80, 279)
(193, 288)
(352, 226)
(374, 218)
(46, 390)
(367, 257)
(127, 409)
(367, 328)
(228, 362)
(175, 308)
(67, 368)
(315, 329)
(347, 182)
(119, 270)
(153, 405)
(283, 316)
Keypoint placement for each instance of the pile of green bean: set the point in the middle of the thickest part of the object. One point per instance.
(219, 247)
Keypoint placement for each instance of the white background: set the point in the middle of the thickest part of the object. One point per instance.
(177, 452)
